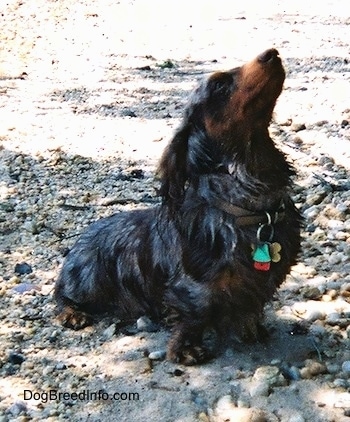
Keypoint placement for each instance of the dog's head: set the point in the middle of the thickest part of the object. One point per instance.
(226, 112)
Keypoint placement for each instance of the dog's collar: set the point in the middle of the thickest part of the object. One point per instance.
(245, 217)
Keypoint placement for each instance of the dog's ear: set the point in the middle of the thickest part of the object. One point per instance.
(173, 171)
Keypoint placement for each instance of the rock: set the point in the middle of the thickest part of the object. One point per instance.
(265, 378)
(296, 417)
(335, 258)
(297, 127)
(17, 408)
(312, 293)
(60, 366)
(16, 358)
(316, 368)
(291, 373)
(49, 369)
(157, 355)
(340, 383)
(25, 287)
(346, 367)
(109, 332)
(345, 290)
(226, 411)
(225, 403)
(32, 227)
(145, 324)
(333, 318)
(23, 268)
(305, 373)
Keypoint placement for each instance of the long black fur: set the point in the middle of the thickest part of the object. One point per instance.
(187, 256)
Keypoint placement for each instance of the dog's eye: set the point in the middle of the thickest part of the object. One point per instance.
(220, 84)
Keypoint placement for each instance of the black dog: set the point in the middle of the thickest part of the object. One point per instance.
(225, 236)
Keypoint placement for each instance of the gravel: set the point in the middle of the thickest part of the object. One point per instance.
(90, 93)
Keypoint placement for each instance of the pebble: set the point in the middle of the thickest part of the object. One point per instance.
(60, 366)
(333, 318)
(297, 127)
(296, 417)
(17, 408)
(264, 379)
(226, 411)
(340, 383)
(312, 369)
(23, 268)
(145, 324)
(109, 332)
(157, 355)
(25, 287)
(332, 368)
(291, 373)
(16, 358)
(346, 367)
(312, 293)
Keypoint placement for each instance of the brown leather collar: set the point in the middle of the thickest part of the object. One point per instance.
(250, 218)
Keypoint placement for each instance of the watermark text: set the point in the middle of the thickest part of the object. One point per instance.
(84, 395)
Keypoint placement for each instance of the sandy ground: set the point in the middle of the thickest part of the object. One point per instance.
(88, 100)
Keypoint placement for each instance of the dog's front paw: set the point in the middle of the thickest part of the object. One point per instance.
(188, 355)
(74, 319)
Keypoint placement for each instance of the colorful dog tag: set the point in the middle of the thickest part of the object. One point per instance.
(275, 249)
(261, 257)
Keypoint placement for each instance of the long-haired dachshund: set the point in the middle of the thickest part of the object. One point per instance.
(223, 239)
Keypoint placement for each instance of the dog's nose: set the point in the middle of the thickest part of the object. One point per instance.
(268, 55)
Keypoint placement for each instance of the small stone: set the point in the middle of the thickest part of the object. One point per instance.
(203, 417)
(265, 378)
(335, 258)
(340, 383)
(23, 268)
(16, 358)
(60, 366)
(17, 408)
(109, 332)
(157, 355)
(305, 373)
(345, 290)
(297, 127)
(312, 293)
(346, 367)
(225, 403)
(259, 388)
(296, 417)
(145, 324)
(7, 206)
(317, 368)
(333, 318)
(32, 227)
(226, 411)
(332, 293)
(332, 368)
(48, 370)
(317, 329)
(291, 373)
(25, 287)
